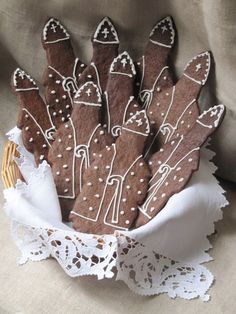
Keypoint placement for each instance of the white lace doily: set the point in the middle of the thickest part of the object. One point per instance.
(165, 255)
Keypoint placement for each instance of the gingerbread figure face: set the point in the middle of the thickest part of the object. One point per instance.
(153, 72)
(75, 143)
(33, 119)
(120, 102)
(116, 182)
(173, 166)
(60, 78)
(174, 110)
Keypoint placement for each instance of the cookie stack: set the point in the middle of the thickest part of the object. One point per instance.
(120, 136)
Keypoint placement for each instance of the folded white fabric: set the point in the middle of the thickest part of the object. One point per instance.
(161, 256)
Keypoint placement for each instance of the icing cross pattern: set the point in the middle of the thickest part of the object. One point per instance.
(105, 32)
(54, 27)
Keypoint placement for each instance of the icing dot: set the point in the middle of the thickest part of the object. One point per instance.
(162, 114)
(150, 163)
(67, 106)
(31, 140)
(139, 192)
(190, 159)
(95, 140)
(188, 126)
(58, 173)
(97, 195)
(100, 155)
(175, 177)
(62, 119)
(69, 136)
(59, 140)
(132, 173)
(41, 157)
(137, 84)
(123, 200)
(82, 65)
(163, 194)
(66, 126)
(53, 92)
(38, 132)
(65, 166)
(127, 222)
(158, 89)
(95, 167)
(59, 155)
(159, 162)
(166, 183)
(172, 142)
(178, 169)
(67, 179)
(164, 78)
(158, 104)
(27, 128)
(108, 148)
(66, 190)
(167, 94)
(150, 112)
(94, 154)
(132, 209)
(58, 81)
(44, 146)
(138, 63)
(141, 180)
(141, 164)
(90, 208)
(154, 198)
(104, 125)
(102, 132)
(84, 198)
(190, 112)
(89, 76)
(64, 97)
(68, 148)
(177, 135)
(152, 209)
(182, 122)
(161, 150)
(89, 183)
(50, 75)
(54, 113)
(26, 116)
(100, 179)
(181, 179)
(60, 111)
(128, 187)
(122, 212)
(68, 115)
(108, 167)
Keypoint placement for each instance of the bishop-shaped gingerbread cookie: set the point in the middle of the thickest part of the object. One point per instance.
(119, 99)
(173, 166)
(116, 183)
(173, 111)
(62, 73)
(153, 73)
(76, 143)
(105, 43)
(33, 118)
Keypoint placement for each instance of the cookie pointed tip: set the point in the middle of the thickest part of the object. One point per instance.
(88, 94)
(23, 81)
(198, 68)
(212, 117)
(106, 32)
(123, 65)
(163, 33)
(138, 123)
(54, 31)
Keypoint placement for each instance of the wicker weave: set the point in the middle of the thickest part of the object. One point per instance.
(10, 171)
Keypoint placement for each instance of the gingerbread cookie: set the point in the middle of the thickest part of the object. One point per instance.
(105, 43)
(119, 99)
(174, 111)
(62, 73)
(75, 144)
(173, 166)
(153, 73)
(33, 118)
(116, 183)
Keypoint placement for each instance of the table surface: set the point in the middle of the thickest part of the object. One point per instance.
(42, 287)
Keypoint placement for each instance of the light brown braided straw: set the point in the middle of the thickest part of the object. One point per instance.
(10, 170)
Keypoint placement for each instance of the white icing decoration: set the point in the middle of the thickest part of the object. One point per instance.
(208, 63)
(54, 24)
(121, 58)
(112, 30)
(23, 75)
(83, 88)
(167, 20)
(134, 120)
(115, 199)
(216, 112)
